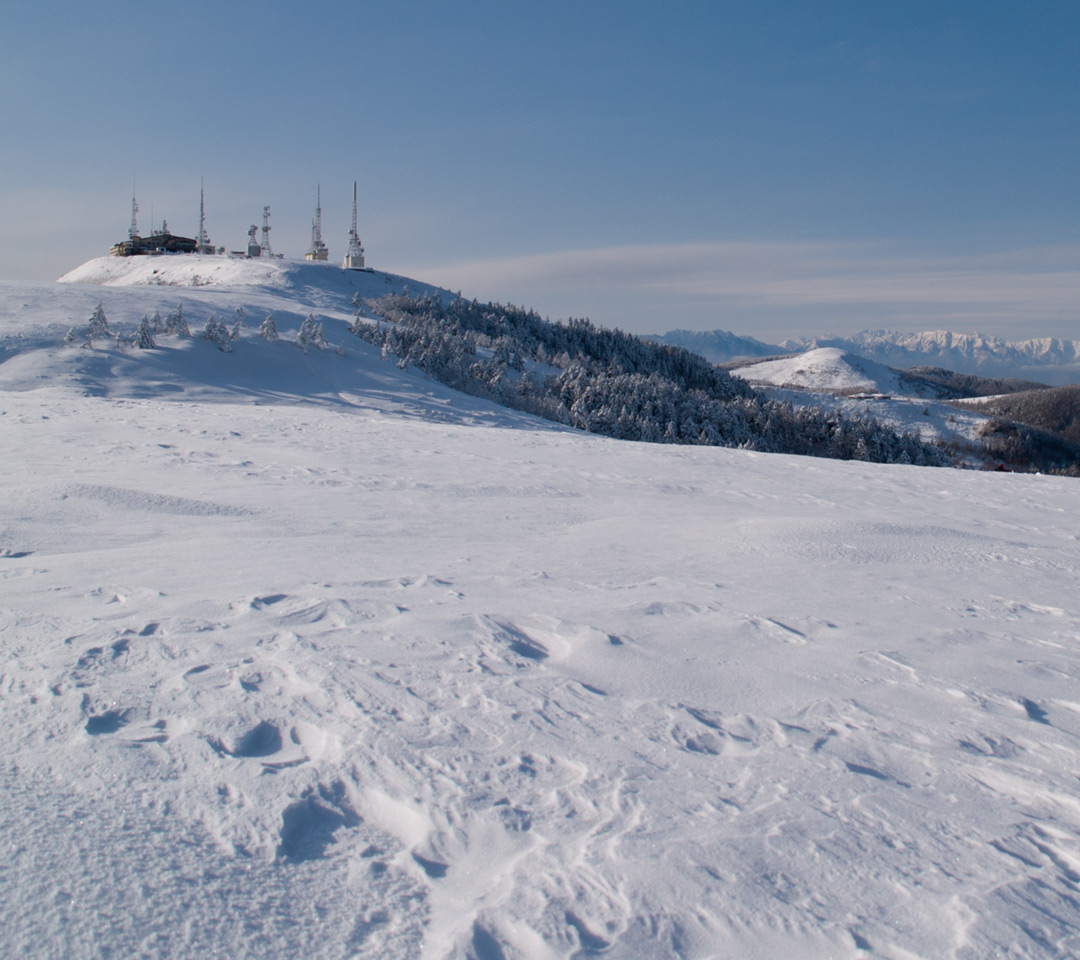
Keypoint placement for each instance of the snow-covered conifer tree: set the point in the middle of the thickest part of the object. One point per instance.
(176, 324)
(311, 332)
(268, 328)
(143, 338)
(216, 332)
(99, 326)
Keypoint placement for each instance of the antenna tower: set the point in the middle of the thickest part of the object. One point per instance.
(354, 258)
(203, 245)
(318, 249)
(133, 230)
(264, 247)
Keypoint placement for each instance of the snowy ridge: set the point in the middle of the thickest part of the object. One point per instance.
(304, 654)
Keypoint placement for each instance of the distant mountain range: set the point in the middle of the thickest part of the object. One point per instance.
(719, 346)
(1046, 359)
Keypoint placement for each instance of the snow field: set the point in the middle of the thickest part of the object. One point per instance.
(306, 655)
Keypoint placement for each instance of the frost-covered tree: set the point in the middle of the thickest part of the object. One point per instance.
(176, 324)
(362, 328)
(143, 338)
(156, 323)
(99, 326)
(268, 328)
(311, 334)
(610, 382)
(216, 332)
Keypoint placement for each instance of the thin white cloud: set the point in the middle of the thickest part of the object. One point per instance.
(783, 284)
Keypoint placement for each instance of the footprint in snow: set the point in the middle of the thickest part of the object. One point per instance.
(108, 722)
(262, 740)
(307, 829)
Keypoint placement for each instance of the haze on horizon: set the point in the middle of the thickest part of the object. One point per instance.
(777, 169)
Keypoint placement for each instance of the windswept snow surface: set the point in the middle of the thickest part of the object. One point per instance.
(303, 655)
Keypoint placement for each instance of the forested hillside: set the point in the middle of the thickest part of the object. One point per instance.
(1034, 430)
(613, 383)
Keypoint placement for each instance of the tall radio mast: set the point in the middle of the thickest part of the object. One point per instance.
(264, 247)
(318, 249)
(354, 258)
(203, 244)
(133, 230)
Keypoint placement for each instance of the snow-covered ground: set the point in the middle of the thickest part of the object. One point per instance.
(305, 655)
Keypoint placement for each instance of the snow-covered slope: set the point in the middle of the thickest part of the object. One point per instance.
(826, 369)
(304, 655)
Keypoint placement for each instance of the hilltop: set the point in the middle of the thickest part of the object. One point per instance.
(573, 373)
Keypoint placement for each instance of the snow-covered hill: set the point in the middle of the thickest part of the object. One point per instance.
(855, 385)
(1044, 359)
(826, 369)
(304, 654)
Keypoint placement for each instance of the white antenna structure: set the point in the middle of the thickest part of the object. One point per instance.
(354, 258)
(264, 247)
(318, 249)
(203, 244)
(133, 230)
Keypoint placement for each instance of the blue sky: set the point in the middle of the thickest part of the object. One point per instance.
(774, 168)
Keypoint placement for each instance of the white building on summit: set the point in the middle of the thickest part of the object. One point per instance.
(354, 257)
